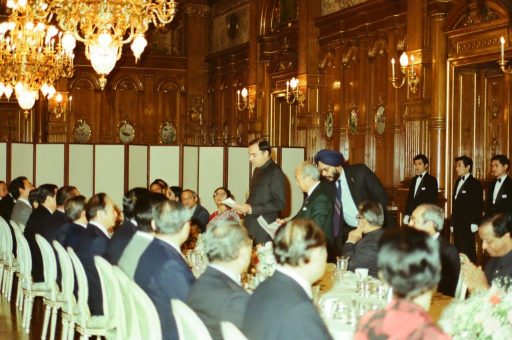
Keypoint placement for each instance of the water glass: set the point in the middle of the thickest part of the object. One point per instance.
(341, 265)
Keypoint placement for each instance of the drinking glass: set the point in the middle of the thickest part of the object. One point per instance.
(341, 265)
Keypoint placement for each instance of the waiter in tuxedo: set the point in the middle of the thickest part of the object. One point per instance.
(351, 185)
(422, 189)
(499, 196)
(467, 206)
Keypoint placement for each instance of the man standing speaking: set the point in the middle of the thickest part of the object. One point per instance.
(266, 191)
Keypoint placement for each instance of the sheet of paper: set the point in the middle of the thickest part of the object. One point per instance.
(230, 202)
(269, 228)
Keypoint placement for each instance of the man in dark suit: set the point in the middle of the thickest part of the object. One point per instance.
(70, 234)
(363, 242)
(6, 202)
(317, 204)
(127, 229)
(422, 189)
(20, 188)
(101, 213)
(200, 215)
(266, 191)
(161, 270)
(499, 194)
(351, 185)
(59, 217)
(281, 307)
(39, 222)
(467, 206)
(430, 219)
(218, 295)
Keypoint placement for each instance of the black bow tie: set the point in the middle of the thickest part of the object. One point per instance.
(420, 176)
(462, 178)
(499, 180)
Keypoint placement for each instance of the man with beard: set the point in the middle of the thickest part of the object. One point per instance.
(351, 185)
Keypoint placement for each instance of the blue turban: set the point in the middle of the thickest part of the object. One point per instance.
(330, 157)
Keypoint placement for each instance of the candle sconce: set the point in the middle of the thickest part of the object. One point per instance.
(293, 93)
(60, 105)
(243, 101)
(502, 62)
(408, 73)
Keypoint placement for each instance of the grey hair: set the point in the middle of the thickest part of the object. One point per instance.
(224, 240)
(372, 212)
(309, 170)
(434, 214)
(171, 217)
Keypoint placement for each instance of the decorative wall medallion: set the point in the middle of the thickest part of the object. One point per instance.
(232, 25)
(167, 133)
(380, 119)
(125, 132)
(353, 117)
(82, 131)
(329, 123)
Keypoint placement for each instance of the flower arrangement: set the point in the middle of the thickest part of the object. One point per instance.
(485, 315)
(266, 260)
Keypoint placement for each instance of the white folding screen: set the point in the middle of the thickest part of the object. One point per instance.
(238, 173)
(49, 164)
(190, 164)
(109, 171)
(3, 163)
(138, 166)
(81, 168)
(290, 159)
(22, 160)
(164, 163)
(211, 174)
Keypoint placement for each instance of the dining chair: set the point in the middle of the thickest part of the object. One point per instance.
(8, 262)
(19, 289)
(231, 332)
(131, 317)
(189, 324)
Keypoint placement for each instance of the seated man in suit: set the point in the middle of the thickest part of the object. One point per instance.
(430, 219)
(20, 188)
(422, 189)
(6, 202)
(217, 295)
(59, 217)
(499, 194)
(125, 231)
(496, 235)
(200, 215)
(281, 306)
(70, 233)
(161, 270)
(362, 244)
(101, 213)
(39, 222)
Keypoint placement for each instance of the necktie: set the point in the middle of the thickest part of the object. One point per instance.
(499, 180)
(337, 210)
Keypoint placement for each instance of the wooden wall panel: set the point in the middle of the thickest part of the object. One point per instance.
(3, 162)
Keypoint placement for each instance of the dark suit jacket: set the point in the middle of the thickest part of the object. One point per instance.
(466, 210)
(59, 218)
(426, 193)
(318, 207)
(201, 217)
(363, 254)
(39, 222)
(503, 199)
(450, 267)
(6, 205)
(70, 234)
(91, 243)
(163, 274)
(266, 197)
(498, 267)
(281, 309)
(119, 241)
(215, 297)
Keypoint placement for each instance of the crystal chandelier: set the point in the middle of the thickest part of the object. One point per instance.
(32, 55)
(104, 26)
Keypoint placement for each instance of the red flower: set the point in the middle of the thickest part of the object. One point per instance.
(495, 299)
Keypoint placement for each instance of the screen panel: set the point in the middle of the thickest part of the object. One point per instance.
(109, 171)
(190, 167)
(3, 162)
(138, 166)
(164, 163)
(211, 174)
(238, 173)
(49, 164)
(290, 159)
(22, 160)
(81, 170)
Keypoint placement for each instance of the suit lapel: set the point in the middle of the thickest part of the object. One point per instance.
(502, 188)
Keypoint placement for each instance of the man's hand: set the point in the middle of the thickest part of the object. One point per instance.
(355, 235)
(281, 221)
(243, 209)
(473, 276)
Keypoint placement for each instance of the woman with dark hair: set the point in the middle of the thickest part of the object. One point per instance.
(409, 262)
(223, 212)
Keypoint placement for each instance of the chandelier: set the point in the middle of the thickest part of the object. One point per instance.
(408, 73)
(104, 26)
(32, 55)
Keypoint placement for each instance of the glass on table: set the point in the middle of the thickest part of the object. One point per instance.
(341, 266)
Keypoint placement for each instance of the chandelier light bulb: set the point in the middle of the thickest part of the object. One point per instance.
(19, 88)
(404, 60)
(44, 89)
(104, 40)
(58, 97)
(51, 91)
(138, 45)
(294, 83)
(68, 42)
(2, 89)
(26, 99)
(245, 93)
(103, 60)
(8, 91)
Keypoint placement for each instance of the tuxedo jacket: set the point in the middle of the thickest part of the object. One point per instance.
(92, 242)
(164, 275)
(503, 199)
(426, 193)
(119, 241)
(20, 213)
(266, 198)
(201, 217)
(215, 297)
(450, 267)
(363, 254)
(39, 222)
(6, 206)
(279, 309)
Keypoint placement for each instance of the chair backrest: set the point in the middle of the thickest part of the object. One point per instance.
(49, 266)
(130, 315)
(461, 289)
(231, 332)
(24, 259)
(190, 326)
(5, 242)
(113, 308)
(83, 286)
(67, 282)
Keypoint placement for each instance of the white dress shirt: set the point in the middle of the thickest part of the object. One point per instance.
(347, 202)
(497, 187)
(418, 181)
(461, 183)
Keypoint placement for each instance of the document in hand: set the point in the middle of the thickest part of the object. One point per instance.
(269, 228)
(230, 202)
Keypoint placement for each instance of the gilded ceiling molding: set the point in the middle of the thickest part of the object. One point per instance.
(193, 10)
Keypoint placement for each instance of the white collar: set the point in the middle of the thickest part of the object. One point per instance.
(80, 224)
(436, 235)
(100, 227)
(310, 191)
(176, 247)
(502, 177)
(132, 220)
(297, 278)
(24, 200)
(51, 212)
(232, 275)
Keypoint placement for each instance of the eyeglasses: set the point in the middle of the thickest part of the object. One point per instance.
(220, 194)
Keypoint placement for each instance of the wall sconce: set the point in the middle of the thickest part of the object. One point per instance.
(502, 62)
(293, 92)
(409, 74)
(60, 105)
(245, 102)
